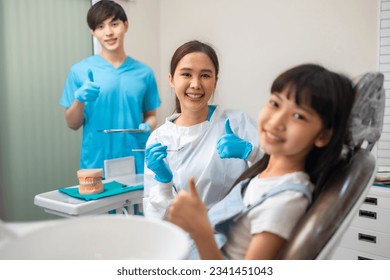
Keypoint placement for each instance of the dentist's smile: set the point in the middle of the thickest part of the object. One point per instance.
(195, 96)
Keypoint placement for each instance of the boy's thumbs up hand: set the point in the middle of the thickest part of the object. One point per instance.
(89, 91)
(90, 75)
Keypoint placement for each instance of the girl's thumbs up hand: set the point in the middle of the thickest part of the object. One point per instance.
(188, 211)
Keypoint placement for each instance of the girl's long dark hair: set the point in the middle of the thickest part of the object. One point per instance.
(331, 95)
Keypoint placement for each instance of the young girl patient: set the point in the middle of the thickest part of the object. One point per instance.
(302, 130)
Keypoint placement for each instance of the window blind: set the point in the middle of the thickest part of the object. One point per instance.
(383, 148)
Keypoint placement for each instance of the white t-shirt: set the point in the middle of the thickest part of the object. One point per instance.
(278, 214)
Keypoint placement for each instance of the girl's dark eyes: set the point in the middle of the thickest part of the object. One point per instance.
(273, 103)
(299, 116)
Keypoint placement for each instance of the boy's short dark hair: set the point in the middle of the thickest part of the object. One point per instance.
(103, 10)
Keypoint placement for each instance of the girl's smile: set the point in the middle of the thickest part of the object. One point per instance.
(288, 129)
(272, 138)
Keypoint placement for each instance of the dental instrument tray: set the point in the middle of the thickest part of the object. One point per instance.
(110, 189)
(61, 204)
(123, 130)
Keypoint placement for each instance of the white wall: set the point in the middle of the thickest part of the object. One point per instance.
(142, 40)
(256, 40)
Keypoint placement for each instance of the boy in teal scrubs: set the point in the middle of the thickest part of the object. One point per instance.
(110, 90)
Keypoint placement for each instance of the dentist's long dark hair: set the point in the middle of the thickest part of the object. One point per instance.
(331, 96)
(192, 47)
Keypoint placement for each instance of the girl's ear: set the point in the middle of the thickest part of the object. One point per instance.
(170, 80)
(323, 138)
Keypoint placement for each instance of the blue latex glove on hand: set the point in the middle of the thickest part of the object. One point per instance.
(145, 126)
(154, 158)
(89, 91)
(231, 146)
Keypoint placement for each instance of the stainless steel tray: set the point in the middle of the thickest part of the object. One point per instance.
(121, 130)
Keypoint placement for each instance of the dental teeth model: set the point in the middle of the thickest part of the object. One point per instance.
(90, 181)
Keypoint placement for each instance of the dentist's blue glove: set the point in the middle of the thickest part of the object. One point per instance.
(154, 158)
(231, 146)
(145, 126)
(89, 91)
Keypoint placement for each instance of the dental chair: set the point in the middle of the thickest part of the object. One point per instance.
(319, 232)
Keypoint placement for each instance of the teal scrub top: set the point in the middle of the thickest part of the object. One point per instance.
(126, 93)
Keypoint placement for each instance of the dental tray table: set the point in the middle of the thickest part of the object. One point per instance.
(57, 203)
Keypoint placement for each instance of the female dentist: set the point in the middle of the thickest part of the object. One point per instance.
(201, 140)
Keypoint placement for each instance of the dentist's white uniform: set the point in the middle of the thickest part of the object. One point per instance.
(199, 158)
